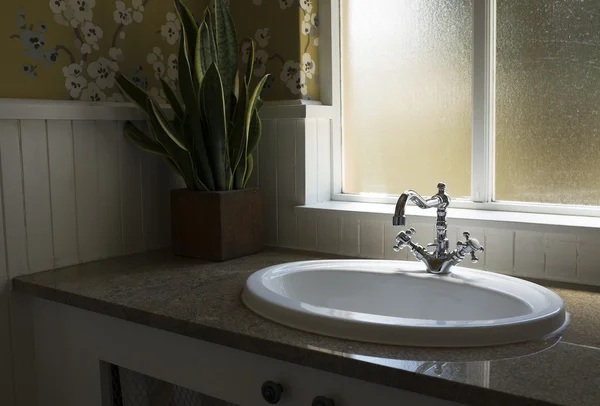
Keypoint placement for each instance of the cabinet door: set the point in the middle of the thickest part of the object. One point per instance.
(106, 361)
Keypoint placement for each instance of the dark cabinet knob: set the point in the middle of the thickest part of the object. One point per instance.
(271, 392)
(322, 401)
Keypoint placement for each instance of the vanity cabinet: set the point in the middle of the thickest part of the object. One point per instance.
(86, 358)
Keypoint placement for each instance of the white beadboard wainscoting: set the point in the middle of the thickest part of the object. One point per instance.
(78, 191)
(71, 191)
(530, 250)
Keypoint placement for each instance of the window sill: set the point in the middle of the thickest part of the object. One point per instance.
(459, 214)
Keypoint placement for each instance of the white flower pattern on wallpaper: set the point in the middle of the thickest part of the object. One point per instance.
(294, 74)
(91, 34)
(306, 5)
(93, 93)
(74, 69)
(245, 51)
(58, 6)
(261, 57)
(294, 78)
(90, 76)
(74, 82)
(122, 14)
(71, 13)
(262, 37)
(289, 70)
(138, 10)
(116, 53)
(297, 84)
(308, 65)
(170, 30)
(81, 11)
(94, 80)
(103, 71)
(172, 67)
(283, 4)
(156, 59)
(306, 25)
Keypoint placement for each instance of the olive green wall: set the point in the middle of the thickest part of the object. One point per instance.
(71, 49)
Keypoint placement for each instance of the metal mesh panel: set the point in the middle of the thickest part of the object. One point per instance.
(129, 388)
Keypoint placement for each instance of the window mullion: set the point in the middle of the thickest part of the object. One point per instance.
(483, 132)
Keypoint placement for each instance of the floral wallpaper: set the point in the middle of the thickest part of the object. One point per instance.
(72, 49)
(286, 33)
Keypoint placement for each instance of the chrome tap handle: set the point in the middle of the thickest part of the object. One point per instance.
(403, 238)
(471, 245)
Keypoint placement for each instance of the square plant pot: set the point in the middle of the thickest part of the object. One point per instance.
(216, 226)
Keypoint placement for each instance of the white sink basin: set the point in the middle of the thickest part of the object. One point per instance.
(397, 302)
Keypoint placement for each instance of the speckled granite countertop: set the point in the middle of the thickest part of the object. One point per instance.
(202, 300)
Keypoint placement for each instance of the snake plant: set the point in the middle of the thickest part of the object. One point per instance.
(215, 124)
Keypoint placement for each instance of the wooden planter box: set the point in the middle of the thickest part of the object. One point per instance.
(216, 226)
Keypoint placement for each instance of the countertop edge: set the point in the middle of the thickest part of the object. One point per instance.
(352, 368)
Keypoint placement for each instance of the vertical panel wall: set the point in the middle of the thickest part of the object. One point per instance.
(77, 191)
(70, 191)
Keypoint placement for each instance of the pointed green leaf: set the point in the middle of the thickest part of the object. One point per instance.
(227, 49)
(189, 28)
(192, 126)
(166, 126)
(142, 141)
(236, 86)
(186, 80)
(212, 102)
(249, 168)
(252, 110)
(253, 101)
(254, 132)
(205, 53)
(209, 20)
(233, 105)
(259, 102)
(173, 100)
(250, 66)
(240, 174)
(237, 140)
(136, 94)
(181, 158)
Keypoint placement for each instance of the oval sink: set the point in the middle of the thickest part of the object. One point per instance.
(397, 302)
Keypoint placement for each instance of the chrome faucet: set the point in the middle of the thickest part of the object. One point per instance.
(439, 261)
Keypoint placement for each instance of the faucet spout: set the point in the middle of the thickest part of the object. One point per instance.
(399, 218)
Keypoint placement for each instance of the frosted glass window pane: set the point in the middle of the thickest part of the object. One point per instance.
(406, 90)
(548, 100)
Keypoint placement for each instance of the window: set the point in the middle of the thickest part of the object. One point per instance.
(498, 98)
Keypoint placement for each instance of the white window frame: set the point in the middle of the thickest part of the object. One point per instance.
(483, 117)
